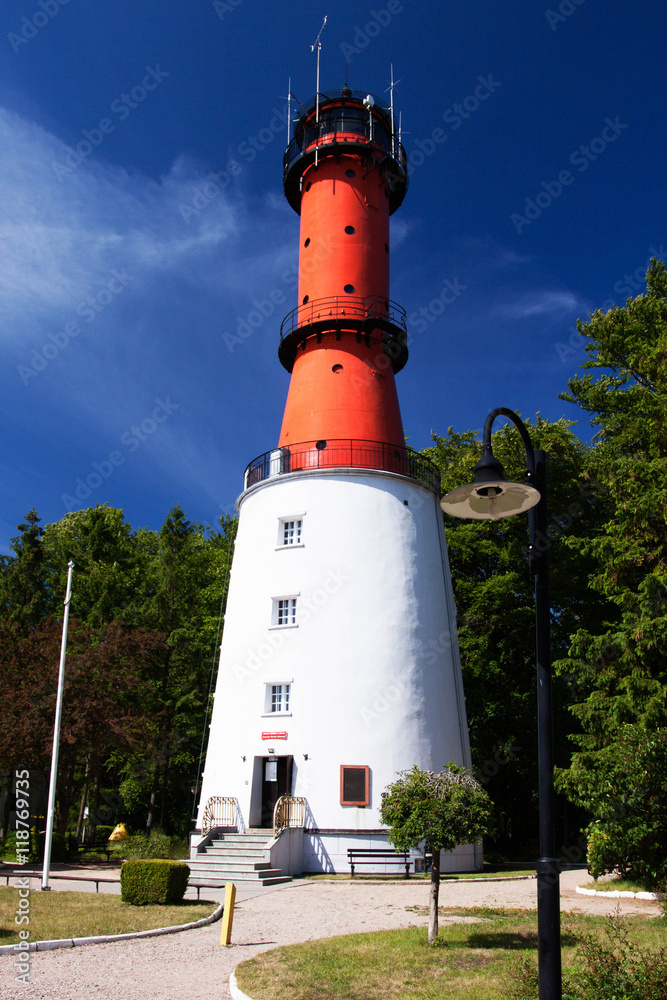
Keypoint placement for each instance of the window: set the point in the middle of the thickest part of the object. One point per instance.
(280, 697)
(277, 698)
(354, 785)
(290, 531)
(284, 611)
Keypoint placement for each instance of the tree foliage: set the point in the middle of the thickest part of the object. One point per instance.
(493, 589)
(141, 649)
(444, 810)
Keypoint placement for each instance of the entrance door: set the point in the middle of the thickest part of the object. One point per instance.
(276, 781)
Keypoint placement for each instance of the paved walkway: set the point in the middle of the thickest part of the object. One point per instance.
(193, 966)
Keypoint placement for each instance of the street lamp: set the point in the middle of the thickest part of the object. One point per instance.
(490, 497)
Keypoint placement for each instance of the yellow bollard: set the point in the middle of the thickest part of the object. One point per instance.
(228, 915)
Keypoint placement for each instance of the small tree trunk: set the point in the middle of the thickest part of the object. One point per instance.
(433, 897)
(151, 808)
(82, 805)
(10, 801)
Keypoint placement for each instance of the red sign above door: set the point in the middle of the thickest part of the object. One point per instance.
(274, 736)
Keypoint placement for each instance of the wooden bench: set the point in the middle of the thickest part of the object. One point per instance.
(378, 854)
(97, 847)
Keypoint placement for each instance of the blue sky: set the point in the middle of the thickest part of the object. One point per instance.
(537, 148)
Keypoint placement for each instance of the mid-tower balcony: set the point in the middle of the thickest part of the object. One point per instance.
(372, 317)
(346, 454)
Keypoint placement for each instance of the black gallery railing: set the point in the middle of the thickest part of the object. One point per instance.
(343, 453)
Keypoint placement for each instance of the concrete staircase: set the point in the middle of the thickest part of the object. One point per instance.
(235, 857)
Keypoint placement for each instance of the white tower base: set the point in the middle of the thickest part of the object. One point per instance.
(329, 697)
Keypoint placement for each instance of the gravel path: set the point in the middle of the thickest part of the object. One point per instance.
(193, 966)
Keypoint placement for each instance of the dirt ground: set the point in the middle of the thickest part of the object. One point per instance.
(193, 966)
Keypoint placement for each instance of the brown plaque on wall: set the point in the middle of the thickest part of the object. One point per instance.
(354, 785)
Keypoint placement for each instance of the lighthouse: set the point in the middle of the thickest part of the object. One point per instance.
(339, 664)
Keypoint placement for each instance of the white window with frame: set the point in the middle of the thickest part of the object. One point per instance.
(290, 530)
(277, 698)
(284, 612)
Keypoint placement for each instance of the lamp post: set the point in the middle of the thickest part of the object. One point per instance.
(491, 497)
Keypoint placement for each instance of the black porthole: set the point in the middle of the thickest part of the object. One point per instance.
(336, 369)
(350, 230)
(305, 299)
(386, 246)
(349, 289)
(307, 242)
(350, 173)
(308, 185)
(386, 305)
(321, 445)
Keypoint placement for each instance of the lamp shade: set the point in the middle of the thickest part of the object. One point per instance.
(490, 500)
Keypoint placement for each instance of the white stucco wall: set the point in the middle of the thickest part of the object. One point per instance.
(373, 660)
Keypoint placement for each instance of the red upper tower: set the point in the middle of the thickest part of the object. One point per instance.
(345, 172)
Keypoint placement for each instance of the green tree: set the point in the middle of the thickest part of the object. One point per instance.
(493, 589)
(24, 594)
(619, 664)
(445, 810)
(623, 786)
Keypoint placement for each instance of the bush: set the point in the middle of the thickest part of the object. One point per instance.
(9, 848)
(59, 847)
(158, 845)
(150, 882)
(103, 832)
(609, 968)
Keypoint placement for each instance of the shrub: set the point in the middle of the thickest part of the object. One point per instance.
(59, 847)
(609, 968)
(103, 832)
(153, 881)
(158, 845)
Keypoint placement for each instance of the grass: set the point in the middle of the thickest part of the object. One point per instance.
(470, 961)
(57, 914)
(490, 872)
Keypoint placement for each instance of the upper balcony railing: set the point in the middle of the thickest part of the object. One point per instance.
(345, 122)
(343, 453)
(366, 315)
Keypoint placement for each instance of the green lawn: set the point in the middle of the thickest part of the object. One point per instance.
(470, 961)
(445, 877)
(57, 914)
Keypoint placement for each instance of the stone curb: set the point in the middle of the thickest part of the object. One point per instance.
(616, 893)
(236, 993)
(11, 949)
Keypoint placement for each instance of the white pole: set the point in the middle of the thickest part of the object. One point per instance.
(56, 735)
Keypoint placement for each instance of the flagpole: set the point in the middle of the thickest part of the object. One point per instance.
(56, 735)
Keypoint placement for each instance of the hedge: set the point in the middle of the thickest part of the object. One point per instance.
(149, 882)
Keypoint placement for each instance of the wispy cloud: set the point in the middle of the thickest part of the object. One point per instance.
(550, 304)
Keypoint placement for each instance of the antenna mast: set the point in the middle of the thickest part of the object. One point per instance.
(318, 45)
(390, 88)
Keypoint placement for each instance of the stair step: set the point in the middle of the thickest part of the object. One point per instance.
(228, 866)
(219, 881)
(227, 875)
